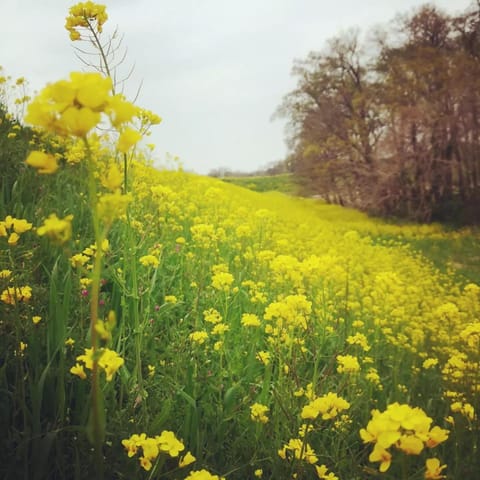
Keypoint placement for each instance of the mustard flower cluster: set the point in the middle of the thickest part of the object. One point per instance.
(401, 427)
(152, 447)
(258, 413)
(300, 450)
(327, 407)
(293, 311)
(87, 15)
(203, 475)
(107, 359)
(347, 364)
(74, 107)
(12, 228)
(58, 230)
(14, 295)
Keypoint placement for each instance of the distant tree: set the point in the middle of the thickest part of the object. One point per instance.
(334, 123)
(398, 133)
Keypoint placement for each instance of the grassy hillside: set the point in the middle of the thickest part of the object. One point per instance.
(241, 318)
(284, 183)
(161, 325)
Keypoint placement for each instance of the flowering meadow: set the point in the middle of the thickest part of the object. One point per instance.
(158, 324)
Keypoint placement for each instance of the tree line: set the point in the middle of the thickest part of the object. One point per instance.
(391, 124)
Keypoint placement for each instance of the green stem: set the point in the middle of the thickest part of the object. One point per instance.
(103, 57)
(97, 424)
(125, 174)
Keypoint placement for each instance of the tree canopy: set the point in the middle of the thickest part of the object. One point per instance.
(391, 124)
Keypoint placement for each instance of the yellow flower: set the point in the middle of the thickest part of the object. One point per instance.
(145, 463)
(250, 320)
(110, 361)
(79, 260)
(379, 454)
(71, 107)
(222, 281)
(128, 138)
(258, 413)
(258, 473)
(430, 362)
(78, 370)
(112, 206)
(187, 459)
(212, 316)
(347, 364)
(220, 329)
(300, 449)
(198, 337)
(328, 406)
(20, 225)
(13, 238)
(36, 319)
(70, 342)
(83, 15)
(120, 111)
(202, 475)
(78, 121)
(57, 229)
(149, 261)
(5, 273)
(113, 179)
(322, 473)
(263, 357)
(433, 469)
(168, 442)
(12, 295)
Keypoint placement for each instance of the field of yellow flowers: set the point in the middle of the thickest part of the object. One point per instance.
(157, 324)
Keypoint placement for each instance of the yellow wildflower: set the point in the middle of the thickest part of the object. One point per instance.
(250, 320)
(12, 295)
(258, 413)
(198, 337)
(113, 178)
(263, 357)
(59, 230)
(78, 370)
(169, 443)
(328, 406)
(128, 138)
(433, 469)
(13, 238)
(187, 459)
(300, 449)
(149, 261)
(83, 15)
(347, 364)
(202, 475)
(43, 162)
(111, 206)
(5, 274)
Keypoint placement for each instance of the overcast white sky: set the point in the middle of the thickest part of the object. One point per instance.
(214, 70)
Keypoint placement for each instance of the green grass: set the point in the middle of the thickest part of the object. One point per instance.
(284, 183)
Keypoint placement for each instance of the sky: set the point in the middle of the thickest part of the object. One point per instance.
(214, 70)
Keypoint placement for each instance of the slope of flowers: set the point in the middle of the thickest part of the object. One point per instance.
(310, 296)
(157, 324)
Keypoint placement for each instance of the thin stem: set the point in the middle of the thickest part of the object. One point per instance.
(102, 52)
(97, 427)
